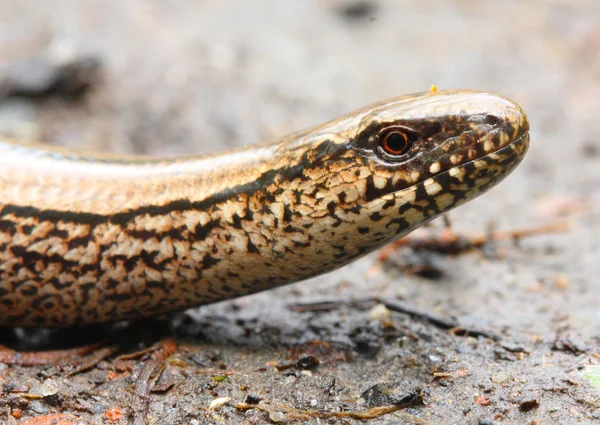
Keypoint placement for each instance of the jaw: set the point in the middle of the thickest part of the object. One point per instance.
(342, 235)
(439, 194)
(436, 195)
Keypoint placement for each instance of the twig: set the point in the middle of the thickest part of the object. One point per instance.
(302, 415)
(42, 358)
(148, 376)
(439, 321)
(89, 362)
(449, 242)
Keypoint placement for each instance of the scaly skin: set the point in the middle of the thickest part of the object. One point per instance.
(86, 238)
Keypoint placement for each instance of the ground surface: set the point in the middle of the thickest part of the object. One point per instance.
(188, 76)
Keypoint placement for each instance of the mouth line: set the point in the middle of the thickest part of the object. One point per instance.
(524, 138)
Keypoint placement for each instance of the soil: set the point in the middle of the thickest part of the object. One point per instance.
(503, 333)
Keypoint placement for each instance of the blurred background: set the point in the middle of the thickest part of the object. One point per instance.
(181, 77)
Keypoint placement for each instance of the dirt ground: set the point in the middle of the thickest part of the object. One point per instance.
(504, 333)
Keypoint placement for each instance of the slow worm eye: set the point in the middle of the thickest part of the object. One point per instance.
(395, 141)
(492, 120)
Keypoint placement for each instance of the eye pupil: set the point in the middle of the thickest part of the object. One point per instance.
(395, 143)
(491, 120)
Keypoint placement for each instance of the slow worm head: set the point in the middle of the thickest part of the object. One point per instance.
(89, 238)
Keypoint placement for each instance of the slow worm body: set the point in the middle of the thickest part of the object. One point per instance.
(88, 238)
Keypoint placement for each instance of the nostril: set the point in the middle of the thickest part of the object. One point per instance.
(492, 120)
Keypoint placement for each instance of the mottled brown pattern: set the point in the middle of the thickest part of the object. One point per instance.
(87, 239)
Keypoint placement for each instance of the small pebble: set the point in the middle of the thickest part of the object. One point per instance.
(499, 377)
(49, 387)
(561, 281)
(528, 405)
(217, 403)
(380, 313)
(276, 416)
(251, 399)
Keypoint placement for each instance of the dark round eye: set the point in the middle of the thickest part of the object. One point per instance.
(395, 141)
(492, 120)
